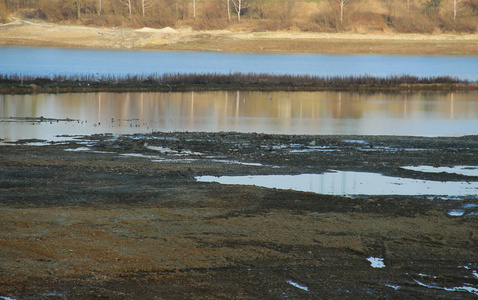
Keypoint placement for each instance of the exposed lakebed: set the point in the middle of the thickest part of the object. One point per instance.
(128, 209)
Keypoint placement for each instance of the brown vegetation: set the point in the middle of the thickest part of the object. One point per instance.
(19, 84)
(403, 16)
(228, 79)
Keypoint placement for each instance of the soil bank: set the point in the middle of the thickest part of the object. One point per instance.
(37, 89)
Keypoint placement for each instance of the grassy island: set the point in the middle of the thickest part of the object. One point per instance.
(18, 84)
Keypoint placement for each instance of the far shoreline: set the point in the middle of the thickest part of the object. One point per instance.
(34, 33)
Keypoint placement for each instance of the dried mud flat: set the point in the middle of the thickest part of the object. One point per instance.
(123, 217)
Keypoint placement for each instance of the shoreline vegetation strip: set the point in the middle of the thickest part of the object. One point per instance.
(17, 83)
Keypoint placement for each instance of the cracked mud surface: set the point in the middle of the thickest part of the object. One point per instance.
(123, 217)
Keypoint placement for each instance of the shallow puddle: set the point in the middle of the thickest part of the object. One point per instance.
(297, 285)
(468, 209)
(461, 170)
(376, 262)
(166, 150)
(464, 288)
(351, 183)
(461, 283)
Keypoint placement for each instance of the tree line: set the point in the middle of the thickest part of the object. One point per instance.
(407, 16)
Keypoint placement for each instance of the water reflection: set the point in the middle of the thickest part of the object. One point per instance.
(351, 183)
(425, 114)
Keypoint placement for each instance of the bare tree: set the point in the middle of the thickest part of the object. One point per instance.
(290, 4)
(78, 5)
(389, 6)
(455, 2)
(180, 9)
(342, 4)
(78, 9)
(194, 7)
(99, 7)
(146, 4)
(228, 10)
(238, 7)
(128, 4)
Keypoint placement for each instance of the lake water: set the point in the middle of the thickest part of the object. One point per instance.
(425, 114)
(50, 61)
(411, 114)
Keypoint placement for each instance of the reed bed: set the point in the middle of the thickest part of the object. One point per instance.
(230, 79)
(301, 80)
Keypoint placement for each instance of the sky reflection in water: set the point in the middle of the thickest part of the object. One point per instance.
(351, 183)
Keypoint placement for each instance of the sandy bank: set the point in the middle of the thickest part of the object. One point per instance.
(34, 33)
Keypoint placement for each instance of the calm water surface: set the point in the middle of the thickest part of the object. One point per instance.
(351, 183)
(413, 114)
(50, 61)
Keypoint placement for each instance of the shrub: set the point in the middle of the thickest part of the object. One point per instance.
(414, 23)
(468, 25)
(432, 7)
(211, 17)
(3, 13)
(325, 21)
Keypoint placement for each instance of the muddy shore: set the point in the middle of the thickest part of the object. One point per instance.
(124, 217)
(37, 89)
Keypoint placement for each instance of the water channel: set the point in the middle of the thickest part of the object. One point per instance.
(51, 61)
(411, 114)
